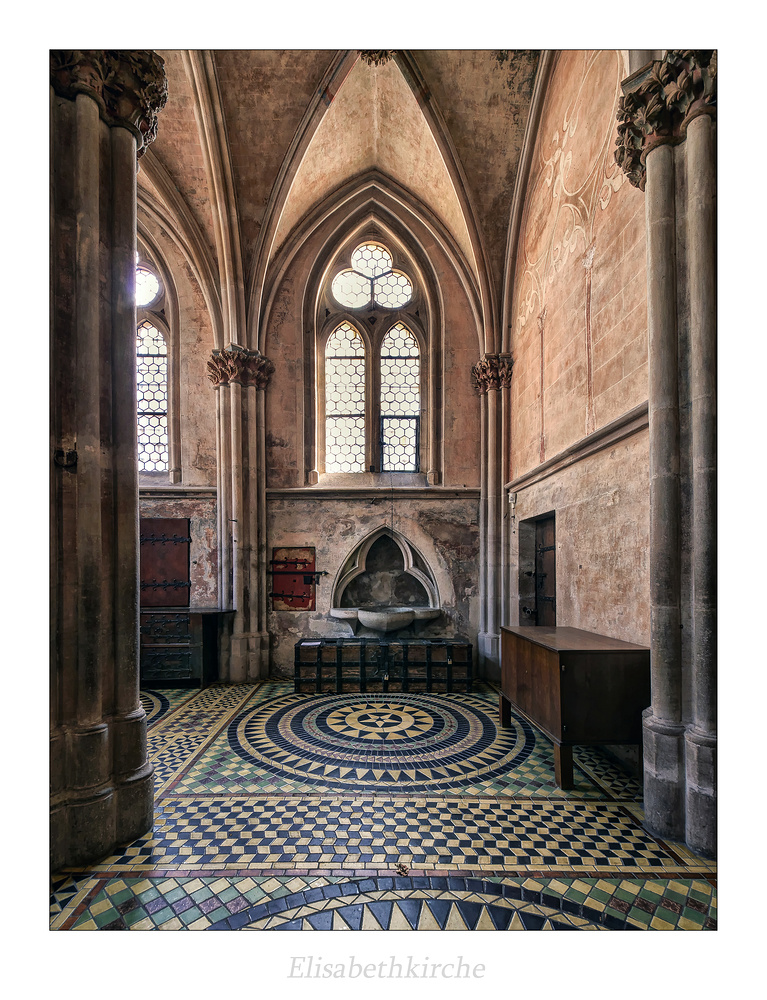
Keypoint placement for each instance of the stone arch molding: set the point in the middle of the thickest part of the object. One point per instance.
(385, 618)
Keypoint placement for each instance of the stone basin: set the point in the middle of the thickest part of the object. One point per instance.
(385, 619)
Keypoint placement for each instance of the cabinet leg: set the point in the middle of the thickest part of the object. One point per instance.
(504, 711)
(563, 766)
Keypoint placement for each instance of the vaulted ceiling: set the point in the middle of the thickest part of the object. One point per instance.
(250, 141)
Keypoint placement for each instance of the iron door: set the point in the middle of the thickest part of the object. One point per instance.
(545, 573)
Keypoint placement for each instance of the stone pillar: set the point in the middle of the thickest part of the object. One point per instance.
(701, 734)
(244, 375)
(104, 107)
(491, 374)
(666, 146)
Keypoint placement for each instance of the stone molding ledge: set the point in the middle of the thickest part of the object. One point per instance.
(130, 87)
(659, 101)
(624, 426)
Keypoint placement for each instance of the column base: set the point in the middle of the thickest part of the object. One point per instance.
(700, 824)
(248, 657)
(664, 776)
(88, 827)
(93, 811)
(489, 656)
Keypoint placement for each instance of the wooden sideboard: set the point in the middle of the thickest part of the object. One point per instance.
(579, 688)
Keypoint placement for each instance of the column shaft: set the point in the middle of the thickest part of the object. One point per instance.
(126, 687)
(701, 740)
(87, 350)
(237, 665)
(665, 563)
(702, 269)
(664, 780)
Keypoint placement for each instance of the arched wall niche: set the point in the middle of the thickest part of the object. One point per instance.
(365, 561)
(448, 320)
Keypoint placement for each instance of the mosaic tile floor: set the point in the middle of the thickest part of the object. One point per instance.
(284, 811)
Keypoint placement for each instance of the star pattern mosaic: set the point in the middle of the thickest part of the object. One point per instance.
(284, 811)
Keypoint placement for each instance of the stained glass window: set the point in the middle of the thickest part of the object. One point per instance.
(152, 405)
(400, 400)
(345, 401)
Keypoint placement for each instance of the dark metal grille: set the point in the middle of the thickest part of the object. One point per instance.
(152, 398)
(345, 401)
(400, 400)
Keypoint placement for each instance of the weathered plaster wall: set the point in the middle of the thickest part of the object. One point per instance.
(203, 553)
(445, 531)
(579, 342)
(579, 313)
(601, 506)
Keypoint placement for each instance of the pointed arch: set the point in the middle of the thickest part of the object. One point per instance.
(478, 268)
(169, 210)
(413, 564)
(336, 73)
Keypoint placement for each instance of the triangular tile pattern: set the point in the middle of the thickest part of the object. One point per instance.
(157, 882)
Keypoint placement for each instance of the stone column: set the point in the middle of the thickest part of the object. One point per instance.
(701, 734)
(491, 374)
(103, 113)
(666, 146)
(245, 374)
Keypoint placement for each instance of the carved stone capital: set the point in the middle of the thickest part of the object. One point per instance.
(236, 364)
(658, 103)
(493, 371)
(376, 57)
(130, 87)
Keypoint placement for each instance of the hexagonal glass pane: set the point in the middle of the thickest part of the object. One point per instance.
(351, 289)
(392, 291)
(147, 286)
(399, 444)
(371, 259)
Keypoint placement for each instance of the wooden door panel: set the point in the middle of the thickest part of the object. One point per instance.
(164, 553)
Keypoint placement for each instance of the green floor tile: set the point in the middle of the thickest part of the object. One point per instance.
(100, 919)
(189, 916)
(162, 915)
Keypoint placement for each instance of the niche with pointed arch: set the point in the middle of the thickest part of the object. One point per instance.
(385, 585)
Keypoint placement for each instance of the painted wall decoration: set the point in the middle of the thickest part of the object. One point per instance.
(579, 309)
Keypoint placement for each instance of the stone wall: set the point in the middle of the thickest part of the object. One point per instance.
(602, 524)
(443, 529)
(579, 315)
(579, 309)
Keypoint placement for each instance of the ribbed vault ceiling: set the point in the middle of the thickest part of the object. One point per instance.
(452, 137)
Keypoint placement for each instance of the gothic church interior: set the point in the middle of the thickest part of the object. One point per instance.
(391, 358)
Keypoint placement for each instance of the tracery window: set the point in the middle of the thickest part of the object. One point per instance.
(147, 286)
(152, 393)
(372, 368)
(400, 400)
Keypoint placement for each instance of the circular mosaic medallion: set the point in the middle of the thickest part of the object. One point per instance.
(361, 741)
